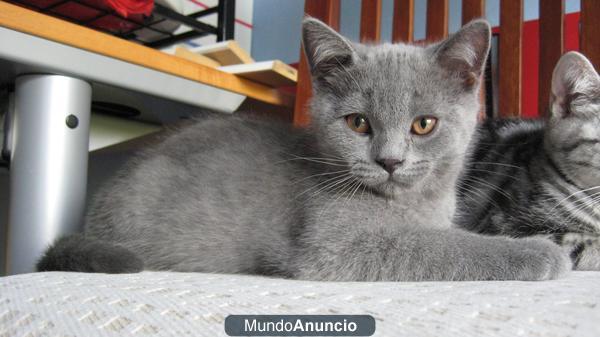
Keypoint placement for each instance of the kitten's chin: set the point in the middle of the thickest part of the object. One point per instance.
(388, 190)
(392, 189)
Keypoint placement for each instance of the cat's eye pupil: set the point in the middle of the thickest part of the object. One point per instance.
(423, 125)
(358, 121)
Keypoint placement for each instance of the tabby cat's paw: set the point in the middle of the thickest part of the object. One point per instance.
(539, 259)
(583, 248)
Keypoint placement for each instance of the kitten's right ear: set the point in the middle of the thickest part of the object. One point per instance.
(325, 49)
(575, 85)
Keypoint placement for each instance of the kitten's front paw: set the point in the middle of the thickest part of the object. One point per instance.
(539, 259)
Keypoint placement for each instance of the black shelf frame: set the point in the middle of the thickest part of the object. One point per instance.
(224, 30)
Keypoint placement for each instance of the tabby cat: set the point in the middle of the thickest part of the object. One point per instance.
(542, 177)
(366, 193)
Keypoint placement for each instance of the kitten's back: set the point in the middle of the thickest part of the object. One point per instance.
(223, 177)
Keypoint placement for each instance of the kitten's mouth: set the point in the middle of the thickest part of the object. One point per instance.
(392, 184)
(388, 184)
(401, 181)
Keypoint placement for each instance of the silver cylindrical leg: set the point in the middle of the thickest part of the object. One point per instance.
(48, 170)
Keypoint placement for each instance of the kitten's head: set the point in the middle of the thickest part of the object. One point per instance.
(400, 117)
(573, 133)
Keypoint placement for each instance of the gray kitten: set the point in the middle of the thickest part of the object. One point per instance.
(542, 177)
(366, 194)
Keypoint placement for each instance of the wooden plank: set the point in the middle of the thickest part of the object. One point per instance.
(327, 11)
(437, 19)
(189, 55)
(551, 48)
(370, 21)
(404, 21)
(272, 73)
(226, 53)
(590, 31)
(43, 26)
(301, 115)
(509, 61)
(473, 9)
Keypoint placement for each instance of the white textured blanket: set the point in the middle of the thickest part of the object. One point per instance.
(186, 304)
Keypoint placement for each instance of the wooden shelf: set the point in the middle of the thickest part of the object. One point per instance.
(43, 26)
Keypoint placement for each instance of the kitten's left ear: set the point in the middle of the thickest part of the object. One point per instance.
(575, 85)
(466, 51)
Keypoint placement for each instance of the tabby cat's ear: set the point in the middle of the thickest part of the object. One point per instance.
(575, 86)
(465, 52)
(325, 49)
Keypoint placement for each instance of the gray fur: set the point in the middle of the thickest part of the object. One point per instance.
(235, 194)
(542, 177)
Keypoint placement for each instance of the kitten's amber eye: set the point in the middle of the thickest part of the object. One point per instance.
(358, 123)
(423, 125)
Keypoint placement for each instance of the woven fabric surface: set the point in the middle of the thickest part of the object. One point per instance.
(194, 304)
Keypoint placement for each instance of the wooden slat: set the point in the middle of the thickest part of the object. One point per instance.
(551, 47)
(40, 25)
(272, 73)
(590, 31)
(183, 52)
(473, 9)
(301, 115)
(437, 19)
(404, 21)
(226, 53)
(327, 11)
(370, 21)
(509, 62)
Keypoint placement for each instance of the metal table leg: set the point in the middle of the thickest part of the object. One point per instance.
(48, 170)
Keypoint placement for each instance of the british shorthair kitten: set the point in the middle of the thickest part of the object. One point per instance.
(367, 193)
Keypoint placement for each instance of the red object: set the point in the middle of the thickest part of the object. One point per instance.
(76, 11)
(127, 14)
(114, 24)
(83, 10)
(128, 7)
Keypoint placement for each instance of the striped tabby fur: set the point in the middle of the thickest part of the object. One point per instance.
(542, 177)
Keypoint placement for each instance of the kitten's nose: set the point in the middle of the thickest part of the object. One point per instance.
(389, 164)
